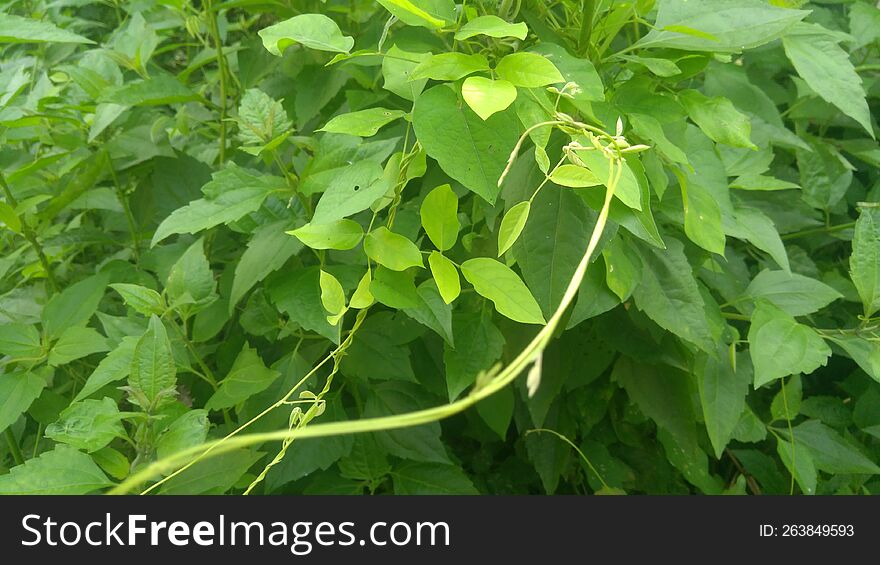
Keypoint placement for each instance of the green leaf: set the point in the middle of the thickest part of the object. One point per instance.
(831, 452)
(864, 352)
(627, 190)
(574, 176)
(432, 311)
(445, 275)
(397, 68)
(623, 270)
(189, 430)
(449, 66)
(825, 174)
(267, 251)
(299, 296)
(669, 295)
(723, 391)
(814, 52)
(512, 225)
(377, 354)
(153, 373)
(20, 341)
(799, 463)
(780, 346)
(315, 31)
(75, 343)
(15, 29)
(795, 294)
(362, 297)
(232, 193)
(88, 425)
(155, 91)
(247, 377)
(702, 217)
(339, 234)
(486, 96)
(864, 263)
(479, 345)
(214, 475)
(431, 478)
(491, 26)
(143, 300)
(497, 282)
(718, 118)
(352, 190)
(720, 25)
(115, 366)
(74, 306)
(425, 13)
(332, 297)
(574, 69)
(528, 70)
(664, 395)
(17, 393)
(786, 404)
(64, 470)
(467, 148)
(418, 443)
(364, 123)
(552, 244)
(191, 280)
(439, 213)
(757, 228)
(112, 462)
(761, 182)
(650, 129)
(261, 118)
(9, 217)
(392, 250)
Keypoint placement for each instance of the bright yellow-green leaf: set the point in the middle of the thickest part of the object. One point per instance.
(528, 70)
(497, 282)
(491, 26)
(449, 66)
(439, 213)
(332, 297)
(315, 31)
(445, 275)
(364, 123)
(339, 234)
(486, 96)
(574, 176)
(362, 297)
(392, 250)
(512, 225)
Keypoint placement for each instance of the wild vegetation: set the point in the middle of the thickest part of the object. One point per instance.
(404, 247)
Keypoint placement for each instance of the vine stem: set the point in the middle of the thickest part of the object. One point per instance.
(818, 231)
(588, 10)
(221, 64)
(30, 236)
(13, 447)
(503, 378)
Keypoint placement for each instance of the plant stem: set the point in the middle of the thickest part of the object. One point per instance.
(817, 231)
(221, 64)
(13, 447)
(129, 217)
(588, 11)
(29, 235)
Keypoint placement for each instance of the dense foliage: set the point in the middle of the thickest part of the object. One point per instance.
(413, 247)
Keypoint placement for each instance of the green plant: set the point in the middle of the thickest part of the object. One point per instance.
(418, 247)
